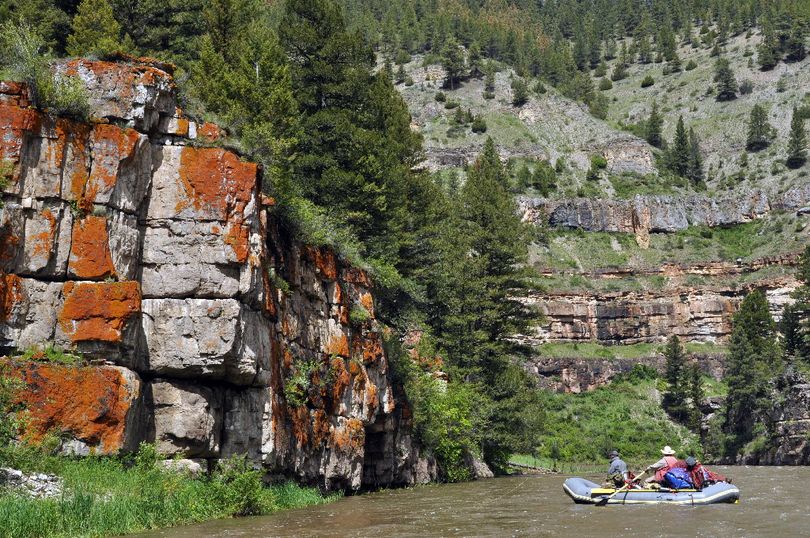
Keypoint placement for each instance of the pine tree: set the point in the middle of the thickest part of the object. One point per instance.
(768, 51)
(95, 30)
(795, 49)
(694, 168)
(696, 396)
(760, 132)
(726, 83)
(797, 142)
(678, 158)
(795, 323)
(674, 398)
(653, 126)
(753, 360)
(495, 242)
(453, 63)
(520, 92)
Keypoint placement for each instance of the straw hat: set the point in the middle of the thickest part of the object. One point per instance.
(667, 451)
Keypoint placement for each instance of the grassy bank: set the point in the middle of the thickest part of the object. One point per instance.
(115, 496)
(591, 350)
(626, 415)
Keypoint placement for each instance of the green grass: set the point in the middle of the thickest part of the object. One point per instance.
(112, 496)
(625, 415)
(576, 250)
(592, 350)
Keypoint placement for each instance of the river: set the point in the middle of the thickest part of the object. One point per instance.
(773, 503)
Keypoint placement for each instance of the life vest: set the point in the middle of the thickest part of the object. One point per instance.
(671, 462)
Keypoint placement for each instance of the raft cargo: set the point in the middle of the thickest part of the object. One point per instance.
(586, 492)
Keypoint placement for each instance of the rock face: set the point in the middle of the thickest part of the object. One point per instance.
(697, 315)
(211, 331)
(645, 214)
(788, 424)
(575, 375)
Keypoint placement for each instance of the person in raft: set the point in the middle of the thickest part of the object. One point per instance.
(660, 467)
(617, 472)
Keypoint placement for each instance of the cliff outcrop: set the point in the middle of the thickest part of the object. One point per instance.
(649, 213)
(205, 327)
(694, 314)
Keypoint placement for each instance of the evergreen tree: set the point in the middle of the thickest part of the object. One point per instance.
(496, 248)
(795, 48)
(355, 151)
(696, 396)
(653, 126)
(760, 132)
(694, 168)
(753, 360)
(679, 151)
(726, 83)
(95, 30)
(453, 63)
(224, 21)
(797, 142)
(768, 51)
(520, 92)
(674, 398)
(795, 323)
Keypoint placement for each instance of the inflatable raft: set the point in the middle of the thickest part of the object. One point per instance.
(586, 492)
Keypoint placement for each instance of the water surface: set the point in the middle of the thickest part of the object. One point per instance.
(773, 503)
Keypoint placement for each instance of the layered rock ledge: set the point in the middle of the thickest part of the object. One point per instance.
(206, 328)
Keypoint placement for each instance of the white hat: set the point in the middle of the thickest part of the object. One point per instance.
(667, 451)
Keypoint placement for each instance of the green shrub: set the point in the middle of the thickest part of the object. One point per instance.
(440, 97)
(50, 353)
(24, 54)
(598, 162)
(450, 105)
(358, 315)
(647, 81)
(605, 84)
(115, 496)
(479, 125)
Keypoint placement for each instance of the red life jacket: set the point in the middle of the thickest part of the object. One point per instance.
(671, 461)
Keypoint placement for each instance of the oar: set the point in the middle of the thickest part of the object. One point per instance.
(604, 500)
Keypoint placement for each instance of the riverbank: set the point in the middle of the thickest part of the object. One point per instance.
(116, 496)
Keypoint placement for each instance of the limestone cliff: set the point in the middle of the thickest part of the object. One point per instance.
(207, 328)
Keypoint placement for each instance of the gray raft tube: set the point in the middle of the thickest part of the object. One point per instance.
(586, 492)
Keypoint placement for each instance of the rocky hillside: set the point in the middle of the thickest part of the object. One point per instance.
(201, 325)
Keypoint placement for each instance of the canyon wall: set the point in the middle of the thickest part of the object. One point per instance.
(203, 325)
(695, 315)
(662, 213)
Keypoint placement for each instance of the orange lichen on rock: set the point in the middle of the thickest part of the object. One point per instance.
(367, 346)
(42, 243)
(338, 345)
(353, 275)
(340, 380)
(368, 303)
(14, 93)
(236, 236)
(299, 417)
(90, 404)
(371, 399)
(320, 426)
(216, 180)
(98, 311)
(324, 260)
(11, 294)
(111, 145)
(90, 256)
(14, 123)
(209, 130)
(351, 437)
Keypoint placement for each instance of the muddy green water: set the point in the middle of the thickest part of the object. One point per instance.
(774, 503)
